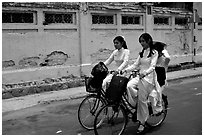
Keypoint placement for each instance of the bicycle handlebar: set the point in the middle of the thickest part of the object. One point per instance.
(115, 72)
(133, 73)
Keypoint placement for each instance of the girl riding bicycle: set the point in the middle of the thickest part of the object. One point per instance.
(145, 63)
(120, 55)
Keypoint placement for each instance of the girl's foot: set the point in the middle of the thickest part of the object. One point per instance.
(141, 128)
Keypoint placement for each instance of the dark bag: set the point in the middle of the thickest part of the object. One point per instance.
(99, 71)
(116, 89)
(161, 75)
(89, 85)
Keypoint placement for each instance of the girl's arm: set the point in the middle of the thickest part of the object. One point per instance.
(167, 58)
(110, 59)
(134, 65)
(125, 61)
(153, 63)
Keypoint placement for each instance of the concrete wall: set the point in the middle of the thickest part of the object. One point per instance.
(38, 46)
(35, 52)
(198, 32)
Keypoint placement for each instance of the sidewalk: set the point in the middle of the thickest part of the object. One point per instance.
(73, 93)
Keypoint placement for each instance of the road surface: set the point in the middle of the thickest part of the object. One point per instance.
(51, 118)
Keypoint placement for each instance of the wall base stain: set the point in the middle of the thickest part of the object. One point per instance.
(29, 62)
(8, 63)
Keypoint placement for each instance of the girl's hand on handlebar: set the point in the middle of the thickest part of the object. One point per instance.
(115, 73)
(123, 71)
(142, 75)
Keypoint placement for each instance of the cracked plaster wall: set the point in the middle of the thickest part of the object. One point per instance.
(28, 48)
(39, 49)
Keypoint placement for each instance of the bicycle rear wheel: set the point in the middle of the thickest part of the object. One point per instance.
(157, 119)
(88, 109)
(113, 120)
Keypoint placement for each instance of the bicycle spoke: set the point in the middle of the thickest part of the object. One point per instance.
(113, 122)
(87, 111)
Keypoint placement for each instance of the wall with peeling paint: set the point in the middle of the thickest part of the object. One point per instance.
(31, 55)
(40, 49)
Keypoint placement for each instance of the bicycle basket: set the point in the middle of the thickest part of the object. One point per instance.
(90, 87)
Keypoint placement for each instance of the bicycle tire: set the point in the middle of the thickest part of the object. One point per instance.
(158, 119)
(114, 121)
(88, 109)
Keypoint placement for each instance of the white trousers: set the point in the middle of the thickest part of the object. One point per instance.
(143, 93)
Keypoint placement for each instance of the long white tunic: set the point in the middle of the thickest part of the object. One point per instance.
(145, 65)
(120, 57)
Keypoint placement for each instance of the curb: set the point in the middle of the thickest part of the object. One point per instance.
(184, 77)
(185, 65)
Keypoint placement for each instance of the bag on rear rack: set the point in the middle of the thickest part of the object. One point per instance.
(116, 89)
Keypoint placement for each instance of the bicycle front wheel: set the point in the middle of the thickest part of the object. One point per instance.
(113, 120)
(88, 109)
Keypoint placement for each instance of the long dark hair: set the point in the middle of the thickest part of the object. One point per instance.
(159, 46)
(147, 37)
(121, 40)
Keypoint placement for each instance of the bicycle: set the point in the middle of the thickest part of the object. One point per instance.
(90, 105)
(114, 117)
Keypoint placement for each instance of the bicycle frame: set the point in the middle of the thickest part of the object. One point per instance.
(124, 101)
(100, 95)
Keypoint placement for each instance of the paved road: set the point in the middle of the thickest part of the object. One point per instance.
(51, 118)
(185, 113)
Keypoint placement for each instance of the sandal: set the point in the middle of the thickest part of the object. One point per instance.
(140, 128)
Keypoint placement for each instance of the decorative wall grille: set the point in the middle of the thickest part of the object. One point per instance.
(17, 17)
